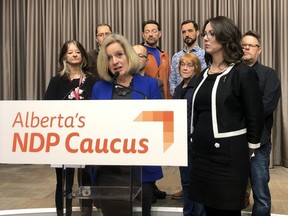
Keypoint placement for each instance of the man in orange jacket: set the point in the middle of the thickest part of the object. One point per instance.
(158, 64)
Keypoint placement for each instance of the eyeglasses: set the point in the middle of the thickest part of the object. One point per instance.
(142, 56)
(189, 65)
(249, 46)
(209, 34)
(103, 34)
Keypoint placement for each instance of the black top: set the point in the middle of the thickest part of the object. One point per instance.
(186, 93)
(61, 88)
(271, 91)
(92, 62)
(203, 126)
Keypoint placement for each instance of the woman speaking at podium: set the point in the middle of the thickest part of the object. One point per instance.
(118, 67)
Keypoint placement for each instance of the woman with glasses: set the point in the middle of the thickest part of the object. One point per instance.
(226, 122)
(189, 68)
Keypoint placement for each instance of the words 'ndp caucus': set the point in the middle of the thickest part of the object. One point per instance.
(103, 132)
(36, 142)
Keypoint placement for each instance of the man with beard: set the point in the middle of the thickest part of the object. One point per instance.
(271, 91)
(158, 65)
(190, 32)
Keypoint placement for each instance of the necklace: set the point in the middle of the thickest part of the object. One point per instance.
(217, 71)
(122, 91)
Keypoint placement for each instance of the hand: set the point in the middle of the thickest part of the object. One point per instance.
(251, 153)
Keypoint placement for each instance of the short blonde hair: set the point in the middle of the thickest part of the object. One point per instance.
(194, 60)
(102, 60)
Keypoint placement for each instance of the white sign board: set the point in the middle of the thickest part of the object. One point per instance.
(99, 132)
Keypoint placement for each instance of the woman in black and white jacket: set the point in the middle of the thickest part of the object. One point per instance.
(227, 122)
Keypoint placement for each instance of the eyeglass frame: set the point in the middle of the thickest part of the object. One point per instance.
(189, 65)
(249, 46)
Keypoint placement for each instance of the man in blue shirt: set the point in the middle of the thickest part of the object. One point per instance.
(190, 32)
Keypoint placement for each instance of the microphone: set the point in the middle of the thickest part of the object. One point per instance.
(117, 85)
(115, 76)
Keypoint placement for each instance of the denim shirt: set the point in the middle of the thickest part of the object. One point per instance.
(174, 77)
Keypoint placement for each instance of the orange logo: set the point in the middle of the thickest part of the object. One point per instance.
(167, 117)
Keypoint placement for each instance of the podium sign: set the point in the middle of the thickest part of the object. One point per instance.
(102, 132)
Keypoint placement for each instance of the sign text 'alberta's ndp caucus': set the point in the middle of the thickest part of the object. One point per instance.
(109, 132)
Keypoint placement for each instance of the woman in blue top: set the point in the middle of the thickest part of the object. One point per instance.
(118, 67)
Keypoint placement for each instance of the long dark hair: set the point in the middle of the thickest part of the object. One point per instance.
(228, 34)
(62, 62)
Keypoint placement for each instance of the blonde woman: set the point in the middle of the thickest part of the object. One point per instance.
(118, 67)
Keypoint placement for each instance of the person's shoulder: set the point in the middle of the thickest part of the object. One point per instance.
(91, 78)
(57, 78)
(92, 52)
(179, 53)
(92, 56)
(101, 83)
(241, 66)
(138, 76)
(199, 49)
(263, 68)
(193, 81)
(162, 52)
(243, 71)
(146, 78)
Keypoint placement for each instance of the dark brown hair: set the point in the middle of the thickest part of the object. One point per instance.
(229, 36)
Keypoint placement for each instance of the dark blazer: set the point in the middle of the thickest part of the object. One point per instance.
(237, 106)
(103, 90)
(186, 93)
(271, 92)
(92, 62)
